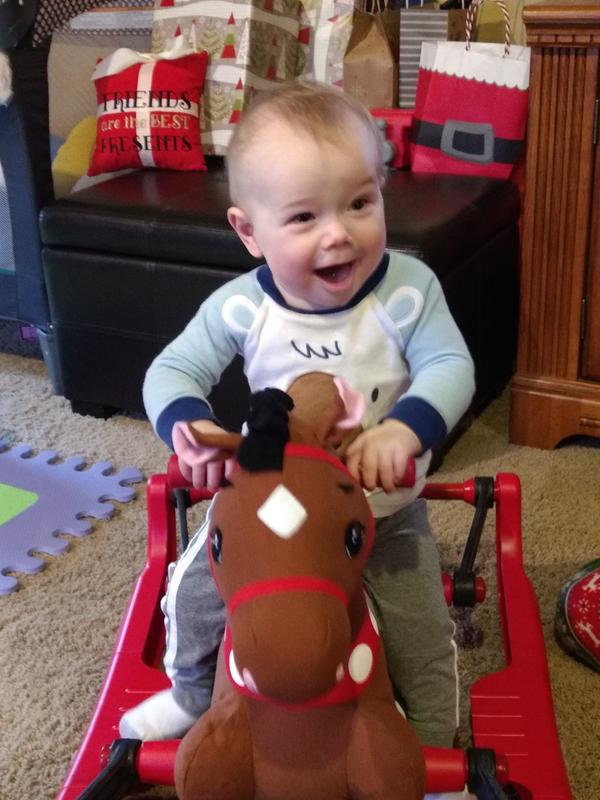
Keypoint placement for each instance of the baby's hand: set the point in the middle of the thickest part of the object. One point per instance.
(380, 455)
(201, 465)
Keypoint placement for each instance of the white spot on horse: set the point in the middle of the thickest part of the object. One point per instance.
(371, 611)
(339, 673)
(282, 512)
(360, 663)
(399, 708)
(249, 680)
(233, 669)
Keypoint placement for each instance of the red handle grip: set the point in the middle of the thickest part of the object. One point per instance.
(410, 476)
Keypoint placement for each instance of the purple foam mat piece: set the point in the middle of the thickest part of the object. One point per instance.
(67, 491)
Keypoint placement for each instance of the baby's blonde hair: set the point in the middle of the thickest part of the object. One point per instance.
(318, 110)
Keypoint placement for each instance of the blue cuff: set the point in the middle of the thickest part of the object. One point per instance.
(422, 418)
(186, 409)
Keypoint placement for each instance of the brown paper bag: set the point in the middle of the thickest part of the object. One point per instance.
(371, 58)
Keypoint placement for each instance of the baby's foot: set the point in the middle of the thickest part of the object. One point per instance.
(159, 717)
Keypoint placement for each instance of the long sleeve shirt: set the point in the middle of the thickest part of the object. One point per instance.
(395, 341)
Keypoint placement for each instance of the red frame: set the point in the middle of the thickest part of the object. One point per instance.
(511, 710)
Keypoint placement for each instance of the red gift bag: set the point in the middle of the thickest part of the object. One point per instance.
(471, 105)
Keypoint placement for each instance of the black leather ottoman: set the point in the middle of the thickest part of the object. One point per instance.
(128, 261)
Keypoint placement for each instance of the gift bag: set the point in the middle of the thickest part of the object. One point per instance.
(325, 27)
(423, 22)
(371, 58)
(471, 105)
(252, 46)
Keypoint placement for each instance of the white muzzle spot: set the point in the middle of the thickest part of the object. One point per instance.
(360, 663)
(282, 512)
(233, 669)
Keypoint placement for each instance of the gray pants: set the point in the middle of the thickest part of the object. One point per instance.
(404, 581)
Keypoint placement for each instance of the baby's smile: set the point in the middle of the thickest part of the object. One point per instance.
(336, 273)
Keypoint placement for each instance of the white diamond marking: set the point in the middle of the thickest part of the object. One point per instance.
(282, 513)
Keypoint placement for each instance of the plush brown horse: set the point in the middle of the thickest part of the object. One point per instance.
(302, 706)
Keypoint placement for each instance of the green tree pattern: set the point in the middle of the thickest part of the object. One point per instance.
(209, 36)
(219, 104)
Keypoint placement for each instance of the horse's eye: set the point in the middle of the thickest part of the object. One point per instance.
(216, 544)
(354, 538)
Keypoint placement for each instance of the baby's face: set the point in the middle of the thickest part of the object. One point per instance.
(316, 213)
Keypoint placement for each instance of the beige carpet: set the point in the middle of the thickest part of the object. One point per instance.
(57, 632)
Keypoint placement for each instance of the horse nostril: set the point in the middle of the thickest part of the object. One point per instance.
(354, 538)
(216, 545)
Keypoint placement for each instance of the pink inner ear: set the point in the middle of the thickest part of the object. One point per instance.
(187, 448)
(354, 403)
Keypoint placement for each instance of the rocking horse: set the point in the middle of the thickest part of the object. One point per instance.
(288, 723)
(302, 706)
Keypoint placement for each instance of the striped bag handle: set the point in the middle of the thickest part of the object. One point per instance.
(451, 5)
(471, 19)
(443, 6)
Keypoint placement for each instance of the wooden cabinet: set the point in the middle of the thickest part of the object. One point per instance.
(556, 389)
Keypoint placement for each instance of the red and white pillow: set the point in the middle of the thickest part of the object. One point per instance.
(148, 109)
(577, 619)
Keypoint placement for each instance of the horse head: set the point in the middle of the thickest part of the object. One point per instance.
(289, 536)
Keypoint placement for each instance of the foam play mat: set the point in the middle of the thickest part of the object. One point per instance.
(42, 497)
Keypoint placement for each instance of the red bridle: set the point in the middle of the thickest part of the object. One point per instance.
(291, 583)
(348, 688)
(367, 637)
(303, 583)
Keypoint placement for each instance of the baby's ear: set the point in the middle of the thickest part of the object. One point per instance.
(242, 225)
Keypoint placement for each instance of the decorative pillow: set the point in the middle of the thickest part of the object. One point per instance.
(577, 619)
(148, 110)
(73, 156)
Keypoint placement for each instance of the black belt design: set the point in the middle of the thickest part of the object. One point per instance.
(467, 141)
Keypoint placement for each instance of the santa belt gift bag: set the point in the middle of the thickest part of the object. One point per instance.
(471, 104)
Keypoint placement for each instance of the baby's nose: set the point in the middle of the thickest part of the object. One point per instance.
(335, 233)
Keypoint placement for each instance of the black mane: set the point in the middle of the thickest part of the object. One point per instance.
(268, 431)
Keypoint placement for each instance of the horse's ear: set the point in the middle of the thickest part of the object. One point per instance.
(327, 404)
(354, 402)
(225, 440)
(200, 448)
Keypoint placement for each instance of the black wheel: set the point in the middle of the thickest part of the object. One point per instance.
(511, 793)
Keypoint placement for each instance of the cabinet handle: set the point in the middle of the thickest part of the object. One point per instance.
(595, 127)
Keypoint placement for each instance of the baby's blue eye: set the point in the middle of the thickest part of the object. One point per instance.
(305, 216)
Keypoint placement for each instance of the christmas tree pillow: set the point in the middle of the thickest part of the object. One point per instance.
(148, 110)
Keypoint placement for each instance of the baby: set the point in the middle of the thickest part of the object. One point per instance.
(306, 173)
